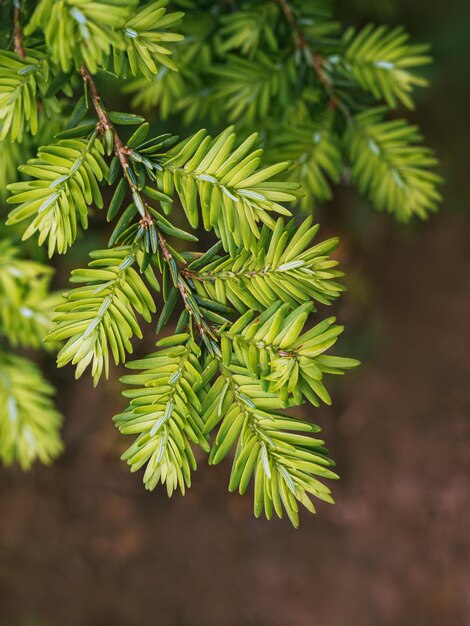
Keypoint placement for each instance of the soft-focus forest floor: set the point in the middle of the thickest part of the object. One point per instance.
(82, 544)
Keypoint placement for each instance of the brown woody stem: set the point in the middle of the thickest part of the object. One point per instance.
(18, 33)
(120, 149)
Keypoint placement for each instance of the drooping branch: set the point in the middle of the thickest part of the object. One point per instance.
(122, 152)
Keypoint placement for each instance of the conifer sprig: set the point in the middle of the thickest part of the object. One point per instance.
(209, 374)
(67, 176)
(246, 346)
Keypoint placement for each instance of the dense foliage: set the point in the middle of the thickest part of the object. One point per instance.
(309, 107)
(29, 422)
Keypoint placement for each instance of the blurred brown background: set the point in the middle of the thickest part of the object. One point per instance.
(82, 544)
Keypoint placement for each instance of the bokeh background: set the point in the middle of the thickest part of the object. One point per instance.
(82, 544)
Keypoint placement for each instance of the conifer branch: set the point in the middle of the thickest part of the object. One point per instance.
(317, 61)
(245, 346)
(123, 152)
